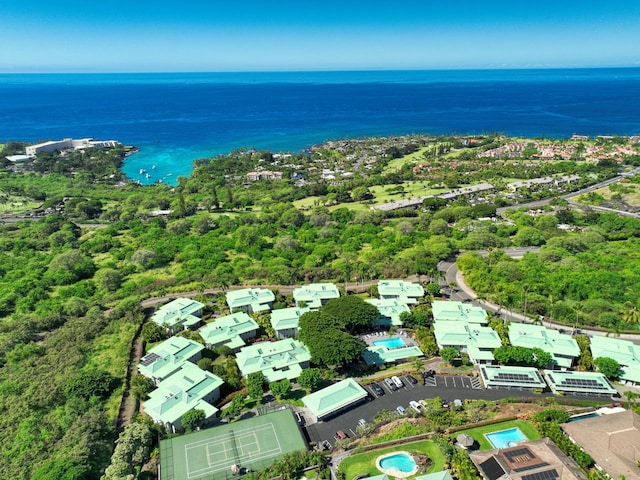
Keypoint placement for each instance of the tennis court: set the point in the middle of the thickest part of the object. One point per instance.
(211, 454)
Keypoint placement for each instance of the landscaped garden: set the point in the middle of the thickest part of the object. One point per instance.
(478, 433)
(365, 463)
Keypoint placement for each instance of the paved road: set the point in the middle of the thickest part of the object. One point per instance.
(447, 387)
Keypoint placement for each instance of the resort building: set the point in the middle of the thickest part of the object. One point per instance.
(405, 292)
(477, 341)
(276, 360)
(250, 300)
(69, 144)
(389, 311)
(165, 359)
(187, 389)
(532, 460)
(562, 347)
(285, 321)
(458, 311)
(335, 398)
(579, 383)
(179, 314)
(380, 354)
(613, 441)
(231, 330)
(512, 378)
(626, 353)
(315, 295)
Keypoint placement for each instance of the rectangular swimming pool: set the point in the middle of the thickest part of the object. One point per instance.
(505, 438)
(395, 342)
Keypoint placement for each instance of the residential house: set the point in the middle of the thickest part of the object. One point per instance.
(231, 330)
(531, 460)
(625, 352)
(250, 300)
(187, 389)
(562, 347)
(613, 441)
(389, 311)
(458, 311)
(477, 341)
(405, 292)
(315, 295)
(285, 321)
(512, 378)
(168, 357)
(276, 360)
(335, 398)
(179, 314)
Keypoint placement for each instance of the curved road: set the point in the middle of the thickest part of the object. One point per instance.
(464, 293)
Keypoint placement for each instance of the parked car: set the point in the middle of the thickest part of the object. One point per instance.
(390, 383)
(401, 410)
(397, 381)
(377, 389)
(362, 422)
(412, 379)
(415, 405)
(423, 404)
(340, 435)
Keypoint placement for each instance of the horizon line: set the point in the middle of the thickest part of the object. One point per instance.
(322, 70)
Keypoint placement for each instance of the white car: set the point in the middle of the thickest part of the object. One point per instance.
(415, 405)
(400, 409)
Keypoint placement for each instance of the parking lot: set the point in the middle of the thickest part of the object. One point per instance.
(447, 387)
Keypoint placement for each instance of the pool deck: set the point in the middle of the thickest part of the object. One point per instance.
(369, 338)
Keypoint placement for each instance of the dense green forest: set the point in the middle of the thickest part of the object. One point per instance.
(70, 292)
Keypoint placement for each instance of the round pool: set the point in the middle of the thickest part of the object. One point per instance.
(397, 464)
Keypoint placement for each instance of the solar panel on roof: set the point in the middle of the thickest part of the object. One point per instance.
(546, 475)
(492, 469)
(530, 467)
(149, 359)
(511, 454)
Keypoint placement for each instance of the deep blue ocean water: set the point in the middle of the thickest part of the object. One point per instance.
(177, 118)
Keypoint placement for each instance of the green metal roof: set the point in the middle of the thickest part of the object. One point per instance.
(227, 330)
(285, 318)
(389, 310)
(181, 392)
(315, 293)
(406, 292)
(449, 310)
(459, 333)
(563, 348)
(625, 352)
(177, 312)
(276, 360)
(579, 382)
(167, 357)
(443, 475)
(258, 298)
(477, 354)
(334, 397)
(377, 355)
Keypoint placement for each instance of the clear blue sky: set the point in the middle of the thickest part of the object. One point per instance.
(214, 35)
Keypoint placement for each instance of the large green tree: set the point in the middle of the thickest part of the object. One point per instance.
(608, 367)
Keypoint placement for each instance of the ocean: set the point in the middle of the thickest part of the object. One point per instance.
(175, 118)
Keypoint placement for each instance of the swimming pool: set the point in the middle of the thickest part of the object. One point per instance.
(395, 342)
(583, 416)
(397, 464)
(505, 438)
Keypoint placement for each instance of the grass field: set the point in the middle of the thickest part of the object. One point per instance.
(366, 462)
(15, 205)
(209, 455)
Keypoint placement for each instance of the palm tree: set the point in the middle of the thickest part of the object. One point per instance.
(631, 314)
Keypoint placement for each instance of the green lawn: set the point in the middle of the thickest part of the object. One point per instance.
(415, 157)
(366, 462)
(478, 432)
